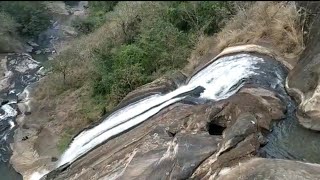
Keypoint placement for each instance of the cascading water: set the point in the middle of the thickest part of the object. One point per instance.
(219, 80)
(21, 72)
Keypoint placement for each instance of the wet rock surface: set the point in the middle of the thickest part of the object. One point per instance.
(259, 168)
(303, 81)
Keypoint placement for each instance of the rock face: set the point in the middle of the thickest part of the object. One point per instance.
(303, 81)
(216, 140)
(258, 168)
(184, 140)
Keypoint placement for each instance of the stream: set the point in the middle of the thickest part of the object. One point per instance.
(22, 72)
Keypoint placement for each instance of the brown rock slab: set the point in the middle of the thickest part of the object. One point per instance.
(278, 169)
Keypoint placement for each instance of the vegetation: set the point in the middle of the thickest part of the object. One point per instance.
(278, 23)
(31, 16)
(155, 37)
(64, 141)
(19, 20)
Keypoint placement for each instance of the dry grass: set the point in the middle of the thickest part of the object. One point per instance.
(276, 25)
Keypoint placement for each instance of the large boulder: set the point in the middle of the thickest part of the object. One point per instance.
(303, 81)
(244, 116)
(277, 169)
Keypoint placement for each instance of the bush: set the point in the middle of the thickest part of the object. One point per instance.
(201, 16)
(31, 16)
(165, 46)
(84, 26)
(120, 72)
(102, 6)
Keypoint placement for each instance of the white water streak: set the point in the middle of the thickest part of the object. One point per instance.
(8, 111)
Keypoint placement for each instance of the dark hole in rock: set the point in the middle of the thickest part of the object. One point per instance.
(264, 132)
(262, 154)
(262, 140)
(171, 134)
(25, 138)
(27, 113)
(4, 102)
(214, 129)
(54, 159)
(25, 126)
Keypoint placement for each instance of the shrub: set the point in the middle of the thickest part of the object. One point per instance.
(102, 6)
(165, 46)
(120, 72)
(202, 16)
(84, 26)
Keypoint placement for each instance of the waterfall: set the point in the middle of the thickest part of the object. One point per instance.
(220, 80)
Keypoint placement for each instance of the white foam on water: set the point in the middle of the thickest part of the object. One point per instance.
(5, 137)
(217, 79)
(12, 91)
(11, 124)
(9, 111)
(38, 175)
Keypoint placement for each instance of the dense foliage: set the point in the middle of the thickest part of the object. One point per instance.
(154, 42)
(31, 16)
